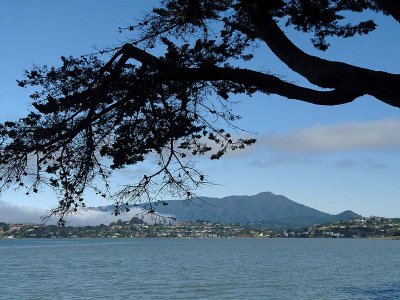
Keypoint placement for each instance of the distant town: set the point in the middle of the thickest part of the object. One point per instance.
(371, 227)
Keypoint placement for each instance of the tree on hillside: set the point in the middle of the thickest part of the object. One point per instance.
(106, 111)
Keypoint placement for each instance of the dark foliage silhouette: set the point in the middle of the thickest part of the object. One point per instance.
(106, 111)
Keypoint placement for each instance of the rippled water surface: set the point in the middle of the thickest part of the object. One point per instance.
(199, 269)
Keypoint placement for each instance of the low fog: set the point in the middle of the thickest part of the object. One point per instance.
(17, 214)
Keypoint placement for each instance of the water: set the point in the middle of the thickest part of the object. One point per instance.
(199, 269)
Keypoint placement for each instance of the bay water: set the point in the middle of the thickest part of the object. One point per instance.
(199, 269)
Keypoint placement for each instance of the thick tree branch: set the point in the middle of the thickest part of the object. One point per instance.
(146, 58)
(265, 83)
(391, 7)
(324, 73)
(249, 78)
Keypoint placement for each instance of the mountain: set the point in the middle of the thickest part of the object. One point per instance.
(347, 215)
(262, 210)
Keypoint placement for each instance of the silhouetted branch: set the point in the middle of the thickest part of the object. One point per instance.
(390, 7)
(324, 73)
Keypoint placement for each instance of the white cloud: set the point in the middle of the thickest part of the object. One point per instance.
(367, 162)
(16, 214)
(374, 135)
(281, 160)
(346, 163)
(373, 164)
(94, 217)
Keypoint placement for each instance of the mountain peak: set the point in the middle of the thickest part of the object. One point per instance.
(348, 214)
(264, 207)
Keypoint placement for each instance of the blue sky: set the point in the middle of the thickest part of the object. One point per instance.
(329, 158)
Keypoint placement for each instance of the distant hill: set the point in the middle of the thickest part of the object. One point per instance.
(262, 210)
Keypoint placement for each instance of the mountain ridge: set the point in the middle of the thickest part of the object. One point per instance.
(264, 209)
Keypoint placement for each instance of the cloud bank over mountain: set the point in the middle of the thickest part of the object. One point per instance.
(16, 214)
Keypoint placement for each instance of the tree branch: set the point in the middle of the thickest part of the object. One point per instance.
(249, 78)
(324, 73)
(391, 7)
(265, 83)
